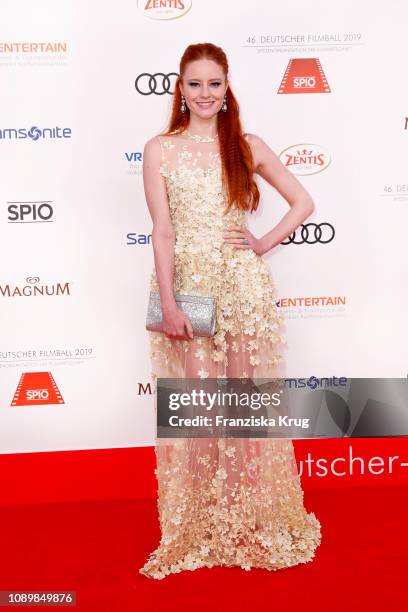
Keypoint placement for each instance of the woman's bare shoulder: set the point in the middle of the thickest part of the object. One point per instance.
(257, 144)
(152, 152)
(153, 146)
(156, 141)
(153, 142)
(254, 140)
(259, 148)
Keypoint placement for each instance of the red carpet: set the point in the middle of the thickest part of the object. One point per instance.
(96, 547)
(86, 520)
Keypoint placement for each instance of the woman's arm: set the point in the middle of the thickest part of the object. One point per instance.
(268, 165)
(175, 323)
(163, 235)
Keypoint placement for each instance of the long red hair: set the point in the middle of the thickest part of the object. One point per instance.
(235, 152)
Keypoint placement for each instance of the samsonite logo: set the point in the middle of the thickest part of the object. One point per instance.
(164, 9)
(305, 158)
(35, 133)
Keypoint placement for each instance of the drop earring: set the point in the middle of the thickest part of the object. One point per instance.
(183, 104)
(224, 104)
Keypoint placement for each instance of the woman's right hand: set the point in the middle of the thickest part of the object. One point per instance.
(175, 322)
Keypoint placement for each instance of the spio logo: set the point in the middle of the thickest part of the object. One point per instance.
(30, 212)
(37, 388)
(311, 233)
(304, 159)
(304, 75)
(164, 9)
(158, 83)
(34, 133)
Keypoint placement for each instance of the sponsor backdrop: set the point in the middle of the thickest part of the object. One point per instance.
(84, 86)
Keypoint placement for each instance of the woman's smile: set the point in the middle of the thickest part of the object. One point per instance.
(205, 104)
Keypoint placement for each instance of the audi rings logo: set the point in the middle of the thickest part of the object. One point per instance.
(158, 83)
(311, 233)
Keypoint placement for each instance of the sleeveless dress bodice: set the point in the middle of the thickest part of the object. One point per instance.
(196, 198)
(204, 263)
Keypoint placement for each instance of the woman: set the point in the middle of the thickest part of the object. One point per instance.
(228, 501)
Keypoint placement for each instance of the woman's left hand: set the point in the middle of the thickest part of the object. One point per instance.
(236, 234)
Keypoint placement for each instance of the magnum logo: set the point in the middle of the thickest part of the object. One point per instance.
(304, 75)
(36, 388)
(33, 288)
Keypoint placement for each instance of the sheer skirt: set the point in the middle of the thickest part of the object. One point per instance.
(227, 501)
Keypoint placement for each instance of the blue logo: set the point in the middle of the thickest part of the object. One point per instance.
(34, 133)
(313, 382)
(135, 156)
(133, 238)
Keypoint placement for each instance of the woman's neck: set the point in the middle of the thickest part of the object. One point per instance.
(203, 129)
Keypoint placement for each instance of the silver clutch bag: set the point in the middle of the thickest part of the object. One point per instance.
(200, 309)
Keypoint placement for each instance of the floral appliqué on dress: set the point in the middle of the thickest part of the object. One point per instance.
(222, 501)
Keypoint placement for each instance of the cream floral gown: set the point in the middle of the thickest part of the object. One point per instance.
(228, 501)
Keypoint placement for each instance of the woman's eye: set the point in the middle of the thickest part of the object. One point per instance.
(216, 84)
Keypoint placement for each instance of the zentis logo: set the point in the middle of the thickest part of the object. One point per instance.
(305, 158)
(36, 388)
(164, 9)
(304, 75)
